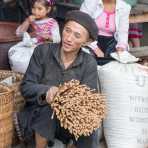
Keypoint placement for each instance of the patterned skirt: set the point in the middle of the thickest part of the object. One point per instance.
(135, 31)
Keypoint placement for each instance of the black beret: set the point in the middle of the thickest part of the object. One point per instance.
(85, 20)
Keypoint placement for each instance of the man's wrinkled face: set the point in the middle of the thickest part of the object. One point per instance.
(74, 36)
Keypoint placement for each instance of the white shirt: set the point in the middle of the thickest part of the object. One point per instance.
(95, 8)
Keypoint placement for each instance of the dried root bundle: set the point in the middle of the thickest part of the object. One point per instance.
(79, 109)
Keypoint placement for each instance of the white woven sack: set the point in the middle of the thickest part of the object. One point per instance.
(20, 54)
(126, 88)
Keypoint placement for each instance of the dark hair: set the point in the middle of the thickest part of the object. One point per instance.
(87, 22)
(44, 3)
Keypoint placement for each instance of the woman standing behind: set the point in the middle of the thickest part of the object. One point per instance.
(112, 19)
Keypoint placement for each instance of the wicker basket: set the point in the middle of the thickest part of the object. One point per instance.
(6, 110)
(17, 77)
(18, 99)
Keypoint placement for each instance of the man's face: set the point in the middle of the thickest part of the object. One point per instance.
(73, 36)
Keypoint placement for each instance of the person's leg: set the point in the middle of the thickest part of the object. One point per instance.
(130, 43)
(110, 46)
(63, 135)
(71, 146)
(43, 125)
(107, 44)
(135, 42)
(135, 34)
(40, 141)
(91, 141)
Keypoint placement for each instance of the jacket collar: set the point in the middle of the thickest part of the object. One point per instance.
(57, 56)
(100, 3)
(119, 4)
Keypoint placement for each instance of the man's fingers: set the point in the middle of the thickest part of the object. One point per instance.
(51, 94)
(98, 52)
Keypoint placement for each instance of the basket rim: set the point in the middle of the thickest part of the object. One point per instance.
(8, 89)
(10, 72)
(7, 73)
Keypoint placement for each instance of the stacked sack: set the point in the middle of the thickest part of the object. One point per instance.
(20, 54)
(125, 84)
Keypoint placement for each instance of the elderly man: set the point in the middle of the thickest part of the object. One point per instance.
(54, 64)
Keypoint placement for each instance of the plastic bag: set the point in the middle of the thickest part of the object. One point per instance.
(124, 57)
(20, 54)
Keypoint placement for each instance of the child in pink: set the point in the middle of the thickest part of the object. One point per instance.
(45, 28)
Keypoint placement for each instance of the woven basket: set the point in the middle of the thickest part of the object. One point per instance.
(6, 110)
(17, 77)
(18, 99)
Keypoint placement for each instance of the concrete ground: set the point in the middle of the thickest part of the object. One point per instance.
(58, 144)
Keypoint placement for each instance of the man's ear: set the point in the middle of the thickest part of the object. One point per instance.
(88, 42)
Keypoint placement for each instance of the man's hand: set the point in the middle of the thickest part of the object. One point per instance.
(118, 49)
(51, 94)
(98, 52)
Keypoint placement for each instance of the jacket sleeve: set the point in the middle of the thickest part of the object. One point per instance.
(31, 87)
(88, 7)
(122, 32)
(90, 76)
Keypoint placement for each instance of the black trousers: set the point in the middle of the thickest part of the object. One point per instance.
(107, 45)
(38, 119)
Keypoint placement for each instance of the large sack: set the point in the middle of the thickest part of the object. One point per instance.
(20, 54)
(126, 88)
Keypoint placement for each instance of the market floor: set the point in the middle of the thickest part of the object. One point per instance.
(58, 144)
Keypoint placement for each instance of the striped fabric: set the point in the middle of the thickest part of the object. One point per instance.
(17, 127)
(44, 27)
(135, 31)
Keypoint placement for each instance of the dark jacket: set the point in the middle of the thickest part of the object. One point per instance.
(46, 70)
